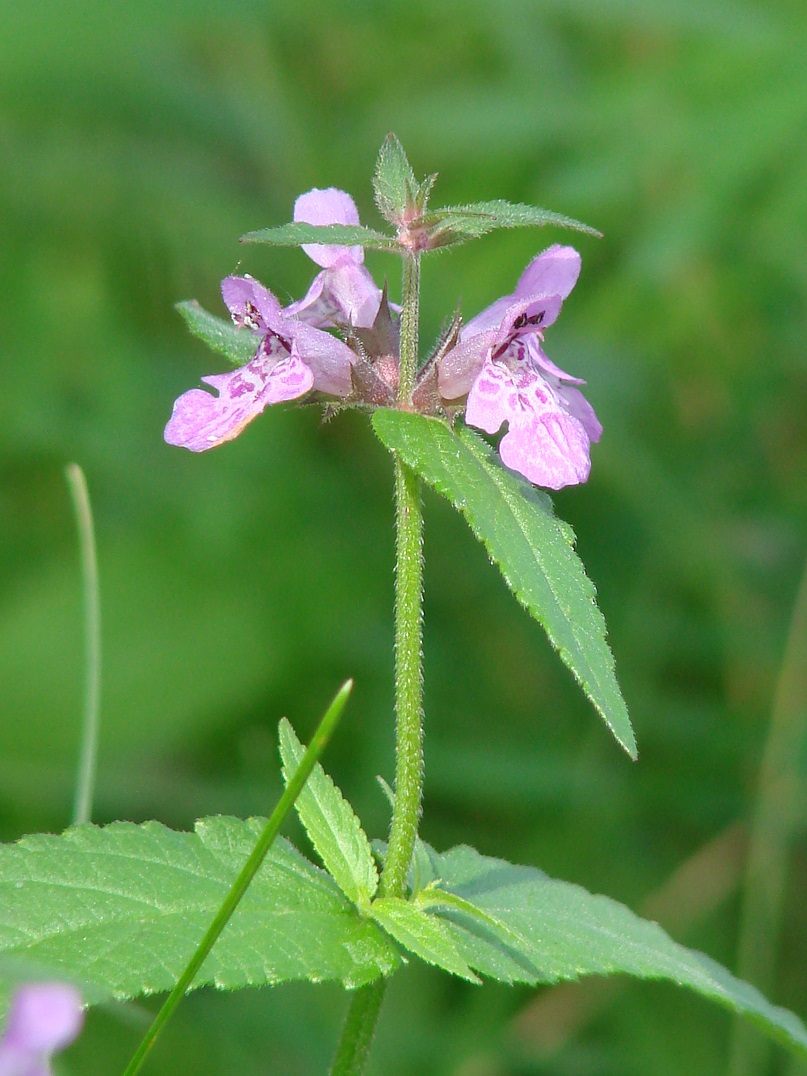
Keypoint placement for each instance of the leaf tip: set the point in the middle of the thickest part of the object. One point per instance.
(628, 743)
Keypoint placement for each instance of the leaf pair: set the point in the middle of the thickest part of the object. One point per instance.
(119, 910)
(402, 201)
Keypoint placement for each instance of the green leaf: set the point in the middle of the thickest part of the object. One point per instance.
(333, 828)
(14, 971)
(237, 345)
(532, 548)
(489, 945)
(394, 181)
(563, 932)
(122, 908)
(341, 235)
(455, 224)
(425, 935)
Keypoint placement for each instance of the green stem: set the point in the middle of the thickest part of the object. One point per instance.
(408, 682)
(79, 494)
(410, 315)
(357, 1034)
(294, 787)
(365, 1006)
(408, 618)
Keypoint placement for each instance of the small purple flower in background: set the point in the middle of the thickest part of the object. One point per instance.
(500, 363)
(44, 1017)
(344, 293)
(291, 359)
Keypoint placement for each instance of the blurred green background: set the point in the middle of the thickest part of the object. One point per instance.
(138, 140)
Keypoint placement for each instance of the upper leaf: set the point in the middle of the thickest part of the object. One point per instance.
(394, 182)
(532, 548)
(560, 931)
(333, 828)
(340, 235)
(455, 224)
(221, 335)
(120, 909)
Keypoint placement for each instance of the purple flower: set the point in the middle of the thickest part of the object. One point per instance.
(344, 293)
(500, 363)
(291, 359)
(44, 1017)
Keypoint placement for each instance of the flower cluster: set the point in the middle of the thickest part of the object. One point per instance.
(494, 366)
(44, 1018)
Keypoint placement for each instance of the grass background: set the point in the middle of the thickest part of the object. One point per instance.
(138, 140)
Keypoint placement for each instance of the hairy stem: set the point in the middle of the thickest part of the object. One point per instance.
(408, 682)
(364, 1009)
(357, 1034)
(408, 618)
(410, 315)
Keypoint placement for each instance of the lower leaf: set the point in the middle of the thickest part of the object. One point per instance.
(539, 930)
(120, 909)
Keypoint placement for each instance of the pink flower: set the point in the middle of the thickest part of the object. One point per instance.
(500, 363)
(344, 293)
(292, 358)
(44, 1017)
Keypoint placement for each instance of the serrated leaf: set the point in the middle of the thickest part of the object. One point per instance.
(123, 907)
(342, 235)
(237, 345)
(394, 181)
(331, 824)
(563, 932)
(423, 934)
(532, 548)
(455, 224)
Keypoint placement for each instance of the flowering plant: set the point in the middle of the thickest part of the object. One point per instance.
(159, 900)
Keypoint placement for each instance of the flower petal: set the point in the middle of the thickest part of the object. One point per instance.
(343, 295)
(545, 364)
(578, 406)
(543, 441)
(328, 359)
(200, 420)
(329, 206)
(249, 302)
(489, 318)
(460, 367)
(44, 1017)
(553, 272)
(527, 316)
(493, 398)
(551, 450)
